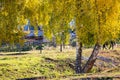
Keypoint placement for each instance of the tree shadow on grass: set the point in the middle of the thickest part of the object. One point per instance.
(14, 54)
(68, 77)
(35, 78)
(69, 62)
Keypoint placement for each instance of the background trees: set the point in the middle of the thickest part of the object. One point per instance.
(9, 12)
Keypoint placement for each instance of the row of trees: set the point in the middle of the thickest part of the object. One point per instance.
(96, 21)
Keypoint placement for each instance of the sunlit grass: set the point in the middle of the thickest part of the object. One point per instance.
(33, 63)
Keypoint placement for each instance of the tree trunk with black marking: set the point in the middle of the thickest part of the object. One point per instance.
(78, 66)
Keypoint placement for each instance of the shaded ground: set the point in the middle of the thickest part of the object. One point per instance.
(13, 54)
(87, 78)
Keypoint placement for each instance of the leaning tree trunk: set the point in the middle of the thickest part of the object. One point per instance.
(78, 67)
(88, 66)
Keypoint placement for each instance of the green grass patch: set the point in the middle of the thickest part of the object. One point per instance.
(51, 64)
(34, 64)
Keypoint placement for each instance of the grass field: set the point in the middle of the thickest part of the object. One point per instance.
(53, 64)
